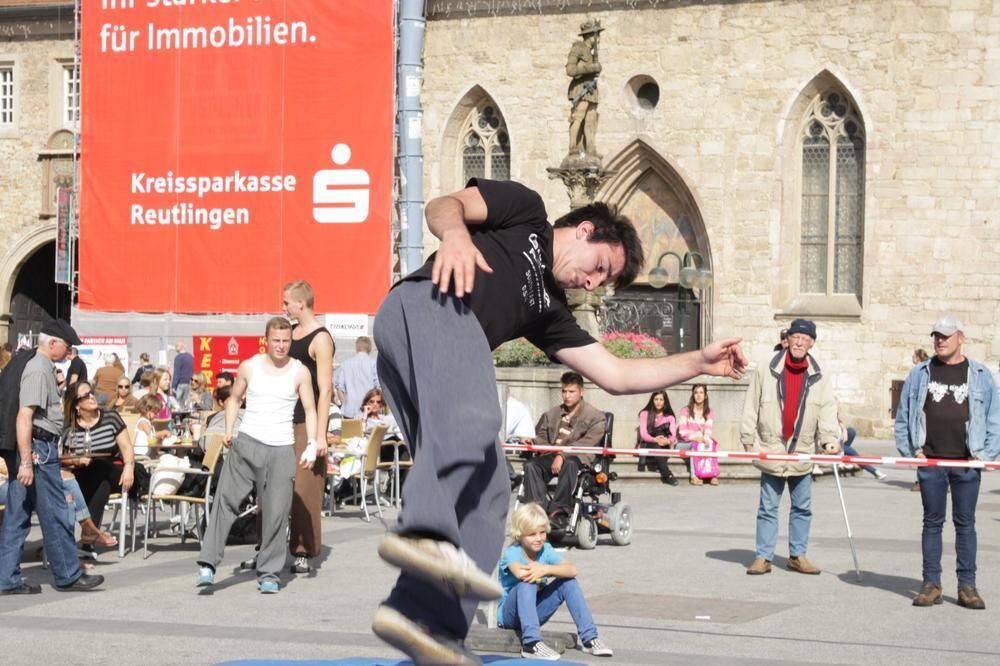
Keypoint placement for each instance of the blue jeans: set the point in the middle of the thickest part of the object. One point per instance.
(46, 497)
(799, 518)
(850, 451)
(526, 608)
(76, 505)
(934, 482)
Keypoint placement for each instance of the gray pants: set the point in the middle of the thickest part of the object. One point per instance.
(435, 367)
(272, 468)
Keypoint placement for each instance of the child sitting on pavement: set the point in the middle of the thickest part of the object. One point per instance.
(536, 581)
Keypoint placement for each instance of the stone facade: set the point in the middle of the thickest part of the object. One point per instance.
(38, 43)
(734, 80)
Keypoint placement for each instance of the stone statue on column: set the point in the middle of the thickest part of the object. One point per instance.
(581, 169)
(583, 66)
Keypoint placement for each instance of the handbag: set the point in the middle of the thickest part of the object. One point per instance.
(705, 468)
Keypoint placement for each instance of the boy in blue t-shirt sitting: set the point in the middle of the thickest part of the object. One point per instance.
(536, 581)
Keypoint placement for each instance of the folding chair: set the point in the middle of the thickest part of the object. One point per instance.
(213, 451)
(370, 469)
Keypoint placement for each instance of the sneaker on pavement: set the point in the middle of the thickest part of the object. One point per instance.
(539, 651)
(695, 481)
(597, 648)
(247, 565)
(268, 587)
(880, 475)
(416, 642)
(759, 567)
(802, 565)
(969, 597)
(300, 565)
(440, 563)
(929, 595)
(206, 577)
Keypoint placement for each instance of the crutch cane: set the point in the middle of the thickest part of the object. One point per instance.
(843, 506)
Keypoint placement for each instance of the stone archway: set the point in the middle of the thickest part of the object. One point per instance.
(25, 253)
(667, 215)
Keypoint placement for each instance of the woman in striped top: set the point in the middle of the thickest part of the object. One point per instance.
(98, 448)
(694, 425)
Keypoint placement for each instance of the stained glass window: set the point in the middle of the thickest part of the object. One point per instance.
(832, 207)
(485, 145)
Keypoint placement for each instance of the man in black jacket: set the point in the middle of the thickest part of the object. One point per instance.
(30, 424)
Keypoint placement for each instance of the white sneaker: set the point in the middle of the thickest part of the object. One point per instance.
(880, 475)
(416, 642)
(299, 566)
(440, 563)
(539, 651)
(597, 648)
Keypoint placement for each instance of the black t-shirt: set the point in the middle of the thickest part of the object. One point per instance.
(520, 297)
(947, 410)
(77, 367)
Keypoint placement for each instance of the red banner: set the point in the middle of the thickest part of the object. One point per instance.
(224, 353)
(231, 147)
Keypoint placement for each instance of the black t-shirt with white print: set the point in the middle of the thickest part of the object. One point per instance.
(947, 410)
(520, 297)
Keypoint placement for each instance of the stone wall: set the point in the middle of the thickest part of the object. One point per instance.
(926, 78)
(37, 48)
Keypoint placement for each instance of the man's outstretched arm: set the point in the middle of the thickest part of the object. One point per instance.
(619, 376)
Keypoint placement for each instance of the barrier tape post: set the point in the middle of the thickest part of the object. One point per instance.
(843, 507)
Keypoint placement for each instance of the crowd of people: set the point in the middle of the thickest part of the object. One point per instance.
(500, 272)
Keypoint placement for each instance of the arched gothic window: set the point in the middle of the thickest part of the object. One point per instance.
(485, 145)
(833, 197)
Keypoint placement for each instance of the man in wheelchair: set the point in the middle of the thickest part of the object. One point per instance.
(572, 423)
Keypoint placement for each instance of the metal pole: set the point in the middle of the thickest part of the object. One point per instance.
(843, 507)
(412, 25)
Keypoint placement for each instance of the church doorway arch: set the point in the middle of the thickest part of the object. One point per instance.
(667, 216)
(34, 296)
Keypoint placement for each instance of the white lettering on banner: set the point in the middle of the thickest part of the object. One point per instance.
(201, 185)
(179, 214)
(341, 196)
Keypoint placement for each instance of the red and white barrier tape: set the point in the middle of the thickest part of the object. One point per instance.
(817, 458)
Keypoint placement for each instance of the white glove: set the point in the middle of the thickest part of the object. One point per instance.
(309, 455)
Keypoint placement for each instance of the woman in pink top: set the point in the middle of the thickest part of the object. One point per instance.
(694, 426)
(658, 428)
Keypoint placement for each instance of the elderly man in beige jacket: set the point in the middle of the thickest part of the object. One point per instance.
(789, 408)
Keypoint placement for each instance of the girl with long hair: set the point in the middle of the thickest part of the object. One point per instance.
(694, 429)
(658, 428)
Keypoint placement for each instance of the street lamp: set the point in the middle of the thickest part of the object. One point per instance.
(689, 277)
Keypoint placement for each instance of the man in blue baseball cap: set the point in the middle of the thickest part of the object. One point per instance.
(789, 408)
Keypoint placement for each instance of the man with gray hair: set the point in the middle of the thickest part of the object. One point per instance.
(789, 408)
(355, 377)
(31, 421)
(949, 409)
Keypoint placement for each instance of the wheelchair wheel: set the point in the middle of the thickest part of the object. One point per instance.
(620, 524)
(586, 533)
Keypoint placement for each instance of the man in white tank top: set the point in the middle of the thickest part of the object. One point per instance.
(262, 454)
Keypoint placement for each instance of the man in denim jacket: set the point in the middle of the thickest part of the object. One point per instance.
(949, 409)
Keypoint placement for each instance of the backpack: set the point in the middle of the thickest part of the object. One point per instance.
(10, 397)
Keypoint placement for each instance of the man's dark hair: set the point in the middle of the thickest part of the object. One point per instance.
(571, 378)
(228, 376)
(613, 228)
